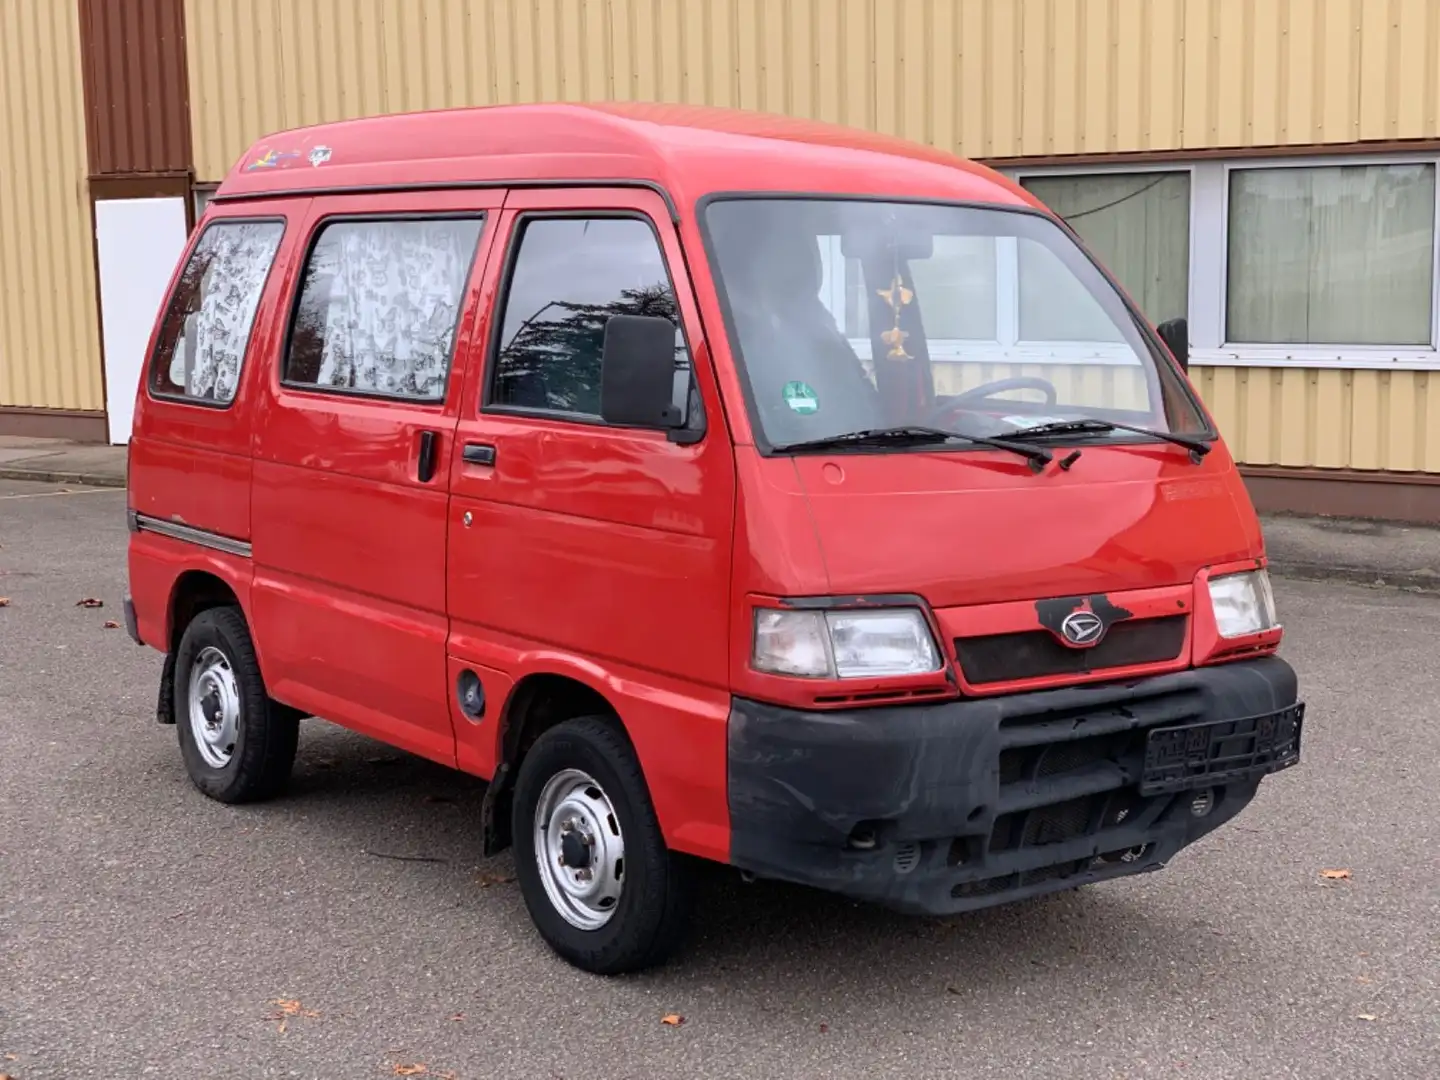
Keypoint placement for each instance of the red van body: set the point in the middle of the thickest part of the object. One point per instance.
(464, 570)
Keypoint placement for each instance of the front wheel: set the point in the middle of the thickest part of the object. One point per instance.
(601, 886)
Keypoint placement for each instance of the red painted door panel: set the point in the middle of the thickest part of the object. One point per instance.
(190, 453)
(349, 530)
(582, 548)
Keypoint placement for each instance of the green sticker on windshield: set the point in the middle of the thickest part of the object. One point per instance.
(801, 398)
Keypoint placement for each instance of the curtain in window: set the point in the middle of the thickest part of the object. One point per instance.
(1332, 255)
(1136, 224)
(234, 260)
(395, 292)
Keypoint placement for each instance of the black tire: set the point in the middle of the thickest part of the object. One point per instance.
(267, 733)
(653, 910)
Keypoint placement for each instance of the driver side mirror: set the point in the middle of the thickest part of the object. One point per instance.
(1176, 335)
(637, 373)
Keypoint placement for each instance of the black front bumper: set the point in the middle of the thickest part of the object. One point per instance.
(935, 809)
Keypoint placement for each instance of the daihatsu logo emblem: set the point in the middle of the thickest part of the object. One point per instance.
(1082, 628)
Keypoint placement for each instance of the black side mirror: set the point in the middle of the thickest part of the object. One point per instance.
(637, 373)
(1176, 335)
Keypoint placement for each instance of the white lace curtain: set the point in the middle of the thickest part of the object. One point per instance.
(233, 260)
(395, 289)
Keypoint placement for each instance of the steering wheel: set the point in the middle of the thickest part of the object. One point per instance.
(990, 389)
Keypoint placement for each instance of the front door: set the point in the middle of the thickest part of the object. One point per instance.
(351, 480)
(573, 542)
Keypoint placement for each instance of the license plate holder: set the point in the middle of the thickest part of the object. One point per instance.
(1210, 753)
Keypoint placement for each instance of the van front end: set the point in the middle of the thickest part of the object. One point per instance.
(1003, 622)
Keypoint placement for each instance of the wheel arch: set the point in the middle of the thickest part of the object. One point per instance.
(538, 702)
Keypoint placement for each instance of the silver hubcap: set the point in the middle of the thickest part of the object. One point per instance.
(580, 849)
(214, 707)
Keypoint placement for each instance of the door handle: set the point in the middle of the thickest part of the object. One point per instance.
(425, 469)
(478, 454)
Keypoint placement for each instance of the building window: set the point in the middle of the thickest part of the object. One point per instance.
(570, 276)
(203, 195)
(1136, 224)
(207, 324)
(1331, 255)
(987, 299)
(379, 304)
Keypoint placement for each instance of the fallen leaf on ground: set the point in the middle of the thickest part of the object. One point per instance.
(111, 624)
(1363, 979)
(1335, 875)
(4, 601)
(411, 1070)
(90, 601)
(1367, 1016)
(288, 1007)
(824, 1028)
(458, 1017)
(673, 1019)
(486, 880)
(953, 990)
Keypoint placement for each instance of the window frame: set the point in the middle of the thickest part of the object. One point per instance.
(513, 243)
(1311, 355)
(340, 217)
(1209, 270)
(152, 364)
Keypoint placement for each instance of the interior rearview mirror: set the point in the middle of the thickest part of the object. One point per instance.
(1176, 335)
(637, 373)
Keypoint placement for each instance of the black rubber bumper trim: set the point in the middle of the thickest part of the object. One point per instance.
(132, 625)
(899, 805)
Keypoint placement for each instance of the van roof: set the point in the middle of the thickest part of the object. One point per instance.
(686, 151)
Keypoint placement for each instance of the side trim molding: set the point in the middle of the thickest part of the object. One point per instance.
(190, 535)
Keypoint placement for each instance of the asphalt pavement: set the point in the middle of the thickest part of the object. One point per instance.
(351, 929)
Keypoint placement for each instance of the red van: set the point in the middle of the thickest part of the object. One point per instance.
(716, 486)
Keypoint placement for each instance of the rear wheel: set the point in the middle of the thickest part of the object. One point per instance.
(604, 891)
(238, 745)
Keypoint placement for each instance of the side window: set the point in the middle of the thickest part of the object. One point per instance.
(378, 307)
(568, 277)
(207, 324)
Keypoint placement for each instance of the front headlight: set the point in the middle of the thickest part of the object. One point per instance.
(1243, 603)
(852, 644)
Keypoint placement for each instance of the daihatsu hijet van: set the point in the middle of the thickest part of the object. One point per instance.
(717, 486)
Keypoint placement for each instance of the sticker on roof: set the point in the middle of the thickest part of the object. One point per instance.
(271, 159)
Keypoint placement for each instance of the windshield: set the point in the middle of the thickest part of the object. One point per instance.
(850, 315)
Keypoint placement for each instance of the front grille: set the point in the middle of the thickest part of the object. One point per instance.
(1035, 654)
(1052, 824)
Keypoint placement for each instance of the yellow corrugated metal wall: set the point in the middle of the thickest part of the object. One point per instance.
(49, 335)
(1327, 419)
(986, 78)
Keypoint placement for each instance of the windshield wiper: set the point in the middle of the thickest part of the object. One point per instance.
(1198, 447)
(913, 434)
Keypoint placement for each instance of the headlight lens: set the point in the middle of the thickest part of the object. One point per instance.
(856, 644)
(1243, 603)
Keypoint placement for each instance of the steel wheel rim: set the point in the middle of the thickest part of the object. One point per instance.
(580, 849)
(214, 707)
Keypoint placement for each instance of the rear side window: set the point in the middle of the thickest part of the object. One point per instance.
(569, 276)
(379, 304)
(207, 324)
